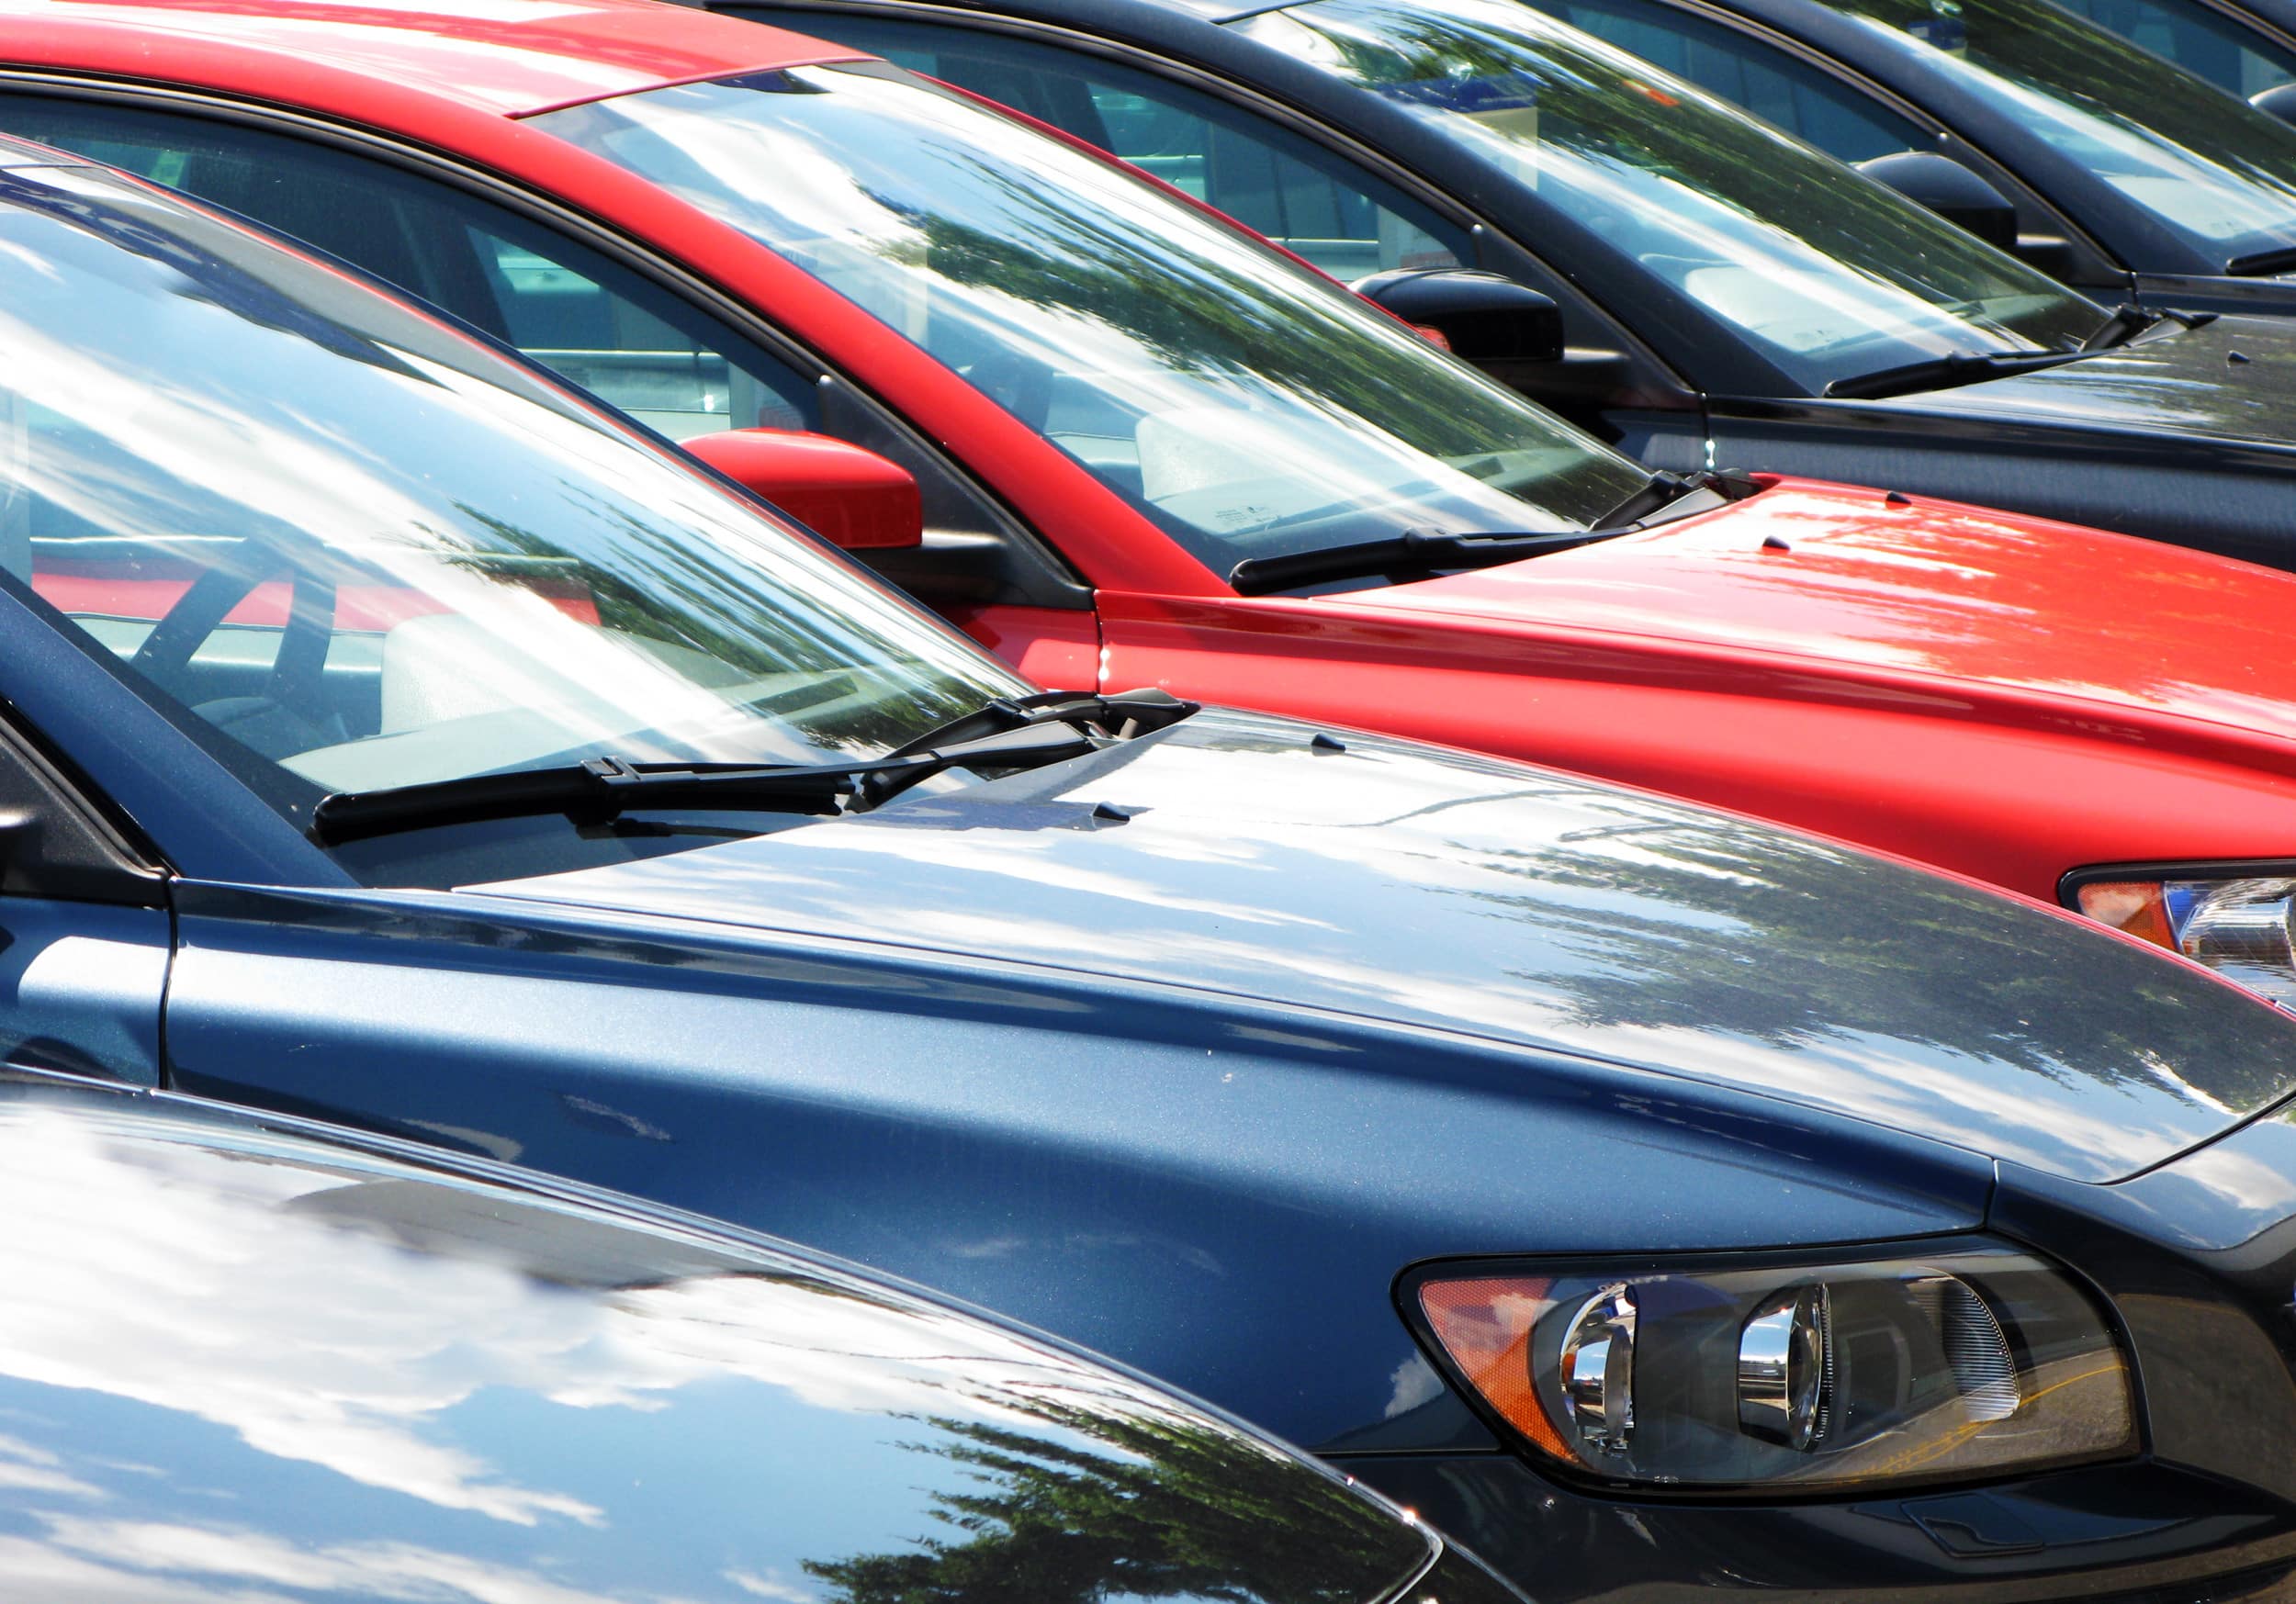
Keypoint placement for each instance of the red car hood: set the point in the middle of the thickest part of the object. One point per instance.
(1847, 581)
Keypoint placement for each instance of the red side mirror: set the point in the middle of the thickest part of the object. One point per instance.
(848, 496)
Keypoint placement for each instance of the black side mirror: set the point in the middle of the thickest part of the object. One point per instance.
(2277, 101)
(1950, 190)
(1483, 316)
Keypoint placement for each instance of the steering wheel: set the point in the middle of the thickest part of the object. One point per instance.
(298, 669)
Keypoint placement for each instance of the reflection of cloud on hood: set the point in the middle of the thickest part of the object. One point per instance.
(772, 1586)
(374, 1570)
(209, 1286)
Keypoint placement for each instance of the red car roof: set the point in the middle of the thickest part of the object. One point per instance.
(510, 57)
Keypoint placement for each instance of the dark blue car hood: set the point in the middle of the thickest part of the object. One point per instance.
(1444, 891)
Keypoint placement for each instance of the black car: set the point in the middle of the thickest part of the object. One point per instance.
(251, 1360)
(1729, 298)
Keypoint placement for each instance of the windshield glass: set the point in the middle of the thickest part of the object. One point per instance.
(2212, 169)
(1828, 274)
(347, 549)
(1248, 407)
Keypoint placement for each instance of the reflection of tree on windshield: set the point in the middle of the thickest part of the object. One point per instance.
(1603, 109)
(1161, 1508)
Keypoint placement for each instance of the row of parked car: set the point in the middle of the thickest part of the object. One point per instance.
(1501, 771)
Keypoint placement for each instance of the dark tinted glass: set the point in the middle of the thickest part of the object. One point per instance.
(2197, 37)
(1774, 84)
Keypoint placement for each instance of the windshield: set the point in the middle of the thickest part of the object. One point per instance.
(1247, 406)
(1827, 273)
(346, 549)
(2213, 170)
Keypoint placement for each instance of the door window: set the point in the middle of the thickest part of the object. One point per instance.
(1346, 220)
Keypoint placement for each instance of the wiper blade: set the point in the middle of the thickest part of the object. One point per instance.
(1938, 373)
(603, 787)
(1431, 551)
(1413, 551)
(2261, 264)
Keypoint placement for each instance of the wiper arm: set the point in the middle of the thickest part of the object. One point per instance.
(603, 787)
(1936, 372)
(1424, 550)
(1122, 716)
(2261, 264)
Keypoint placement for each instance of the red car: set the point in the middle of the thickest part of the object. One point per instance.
(1155, 450)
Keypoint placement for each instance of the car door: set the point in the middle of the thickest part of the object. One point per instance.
(633, 341)
(1292, 184)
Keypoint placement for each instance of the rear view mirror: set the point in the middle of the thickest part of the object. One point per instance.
(1950, 190)
(1482, 317)
(848, 496)
(2277, 101)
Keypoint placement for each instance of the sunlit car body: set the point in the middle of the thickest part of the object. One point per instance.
(1726, 299)
(252, 1358)
(2011, 699)
(396, 739)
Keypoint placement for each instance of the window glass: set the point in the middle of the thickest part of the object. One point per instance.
(347, 549)
(1250, 408)
(2211, 170)
(1776, 85)
(563, 304)
(2196, 38)
(1349, 222)
(1828, 273)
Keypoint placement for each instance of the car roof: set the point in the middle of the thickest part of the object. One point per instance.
(515, 58)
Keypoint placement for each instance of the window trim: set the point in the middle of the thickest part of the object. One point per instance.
(1056, 583)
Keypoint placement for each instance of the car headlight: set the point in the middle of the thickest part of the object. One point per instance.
(1790, 1375)
(2237, 919)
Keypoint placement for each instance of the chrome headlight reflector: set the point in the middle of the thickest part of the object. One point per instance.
(2235, 919)
(1792, 1375)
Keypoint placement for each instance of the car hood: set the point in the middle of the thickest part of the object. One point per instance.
(2178, 383)
(1916, 592)
(240, 1362)
(1442, 891)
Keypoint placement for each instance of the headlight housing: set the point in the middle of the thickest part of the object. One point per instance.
(2239, 919)
(1793, 1373)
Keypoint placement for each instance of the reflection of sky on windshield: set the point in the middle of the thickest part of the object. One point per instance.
(177, 398)
(221, 1379)
(1532, 907)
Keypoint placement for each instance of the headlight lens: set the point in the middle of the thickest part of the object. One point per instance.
(2243, 927)
(1926, 1367)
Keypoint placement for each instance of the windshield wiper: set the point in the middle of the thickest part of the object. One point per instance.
(1938, 373)
(1018, 733)
(2261, 264)
(1417, 551)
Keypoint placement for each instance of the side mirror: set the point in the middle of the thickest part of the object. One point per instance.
(848, 496)
(1482, 317)
(1950, 190)
(2277, 101)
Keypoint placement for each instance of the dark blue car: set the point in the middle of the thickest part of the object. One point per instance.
(1653, 1198)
